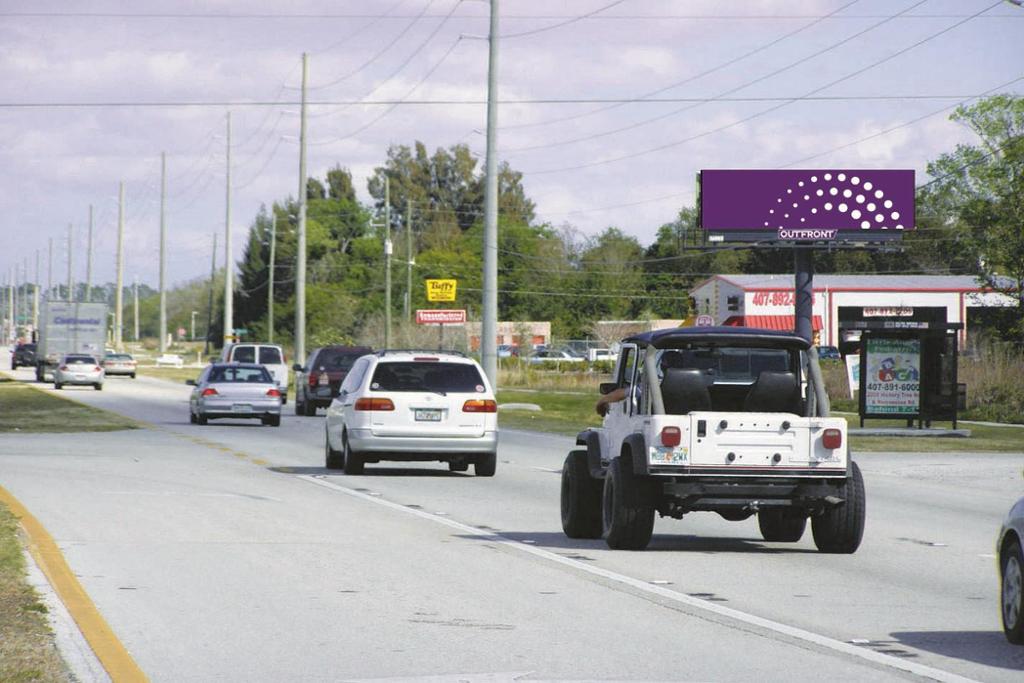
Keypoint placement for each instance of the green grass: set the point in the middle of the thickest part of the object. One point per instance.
(27, 409)
(27, 650)
(569, 413)
(177, 375)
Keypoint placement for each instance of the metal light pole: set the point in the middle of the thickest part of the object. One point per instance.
(88, 260)
(71, 250)
(229, 294)
(209, 306)
(387, 261)
(163, 244)
(35, 296)
(135, 297)
(300, 257)
(489, 328)
(118, 293)
(192, 336)
(270, 283)
(408, 261)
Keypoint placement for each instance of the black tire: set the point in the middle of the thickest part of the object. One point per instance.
(735, 515)
(485, 465)
(623, 527)
(460, 466)
(192, 417)
(353, 462)
(274, 421)
(841, 528)
(309, 408)
(132, 375)
(14, 366)
(1011, 594)
(333, 460)
(97, 387)
(40, 375)
(782, 526)
(300, 407)
(58, 386)
(580, 498)
(201, 419)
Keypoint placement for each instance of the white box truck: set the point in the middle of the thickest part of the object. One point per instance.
(69, 327)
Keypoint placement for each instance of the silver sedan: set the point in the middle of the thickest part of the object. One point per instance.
(1011, 573)
(78, 369)
(235, 390)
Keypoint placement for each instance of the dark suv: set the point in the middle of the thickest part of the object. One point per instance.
(24, 354)
(318, 382)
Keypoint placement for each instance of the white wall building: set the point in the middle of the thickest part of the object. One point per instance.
(767, 300)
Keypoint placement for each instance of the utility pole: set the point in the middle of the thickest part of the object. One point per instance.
(229, 324)
(387, 261)
(300, 257)
(71, 250)
(270, 288)
(49, 272)
(162, 344)
(35, 297)
(119, 280)
(135, 296)
(407, 313)
(88, 260)
(192, 337)
(209, 306)
(489, 333)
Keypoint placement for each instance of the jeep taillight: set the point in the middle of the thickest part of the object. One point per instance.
(374, 404)
(671, 436)
(480, 406)
(832, 439)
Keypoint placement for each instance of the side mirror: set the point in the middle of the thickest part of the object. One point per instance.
(607, 387)
(190, 382)
(297, 368)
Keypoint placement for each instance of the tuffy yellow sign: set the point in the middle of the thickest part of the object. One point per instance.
(441, 290)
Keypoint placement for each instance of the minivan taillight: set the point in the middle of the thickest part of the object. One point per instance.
(478, 405)
(374, 404)
(209, 391)
(832, 439)
(671, 436)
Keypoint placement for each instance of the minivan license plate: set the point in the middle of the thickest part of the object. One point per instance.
(428, 415)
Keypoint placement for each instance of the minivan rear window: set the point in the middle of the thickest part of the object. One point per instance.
(423, 376)
(244, 354)
(270, 356)
(336, 360)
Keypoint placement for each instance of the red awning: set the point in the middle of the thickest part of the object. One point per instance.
(785, 323)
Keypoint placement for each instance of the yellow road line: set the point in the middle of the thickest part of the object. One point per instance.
(108, 649)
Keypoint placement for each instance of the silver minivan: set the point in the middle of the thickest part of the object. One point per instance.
(270, 356)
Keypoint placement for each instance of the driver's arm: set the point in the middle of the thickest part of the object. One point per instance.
(613, 396)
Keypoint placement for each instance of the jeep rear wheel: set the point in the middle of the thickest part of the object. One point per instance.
(581, 498)
(840, 529)
(783, 526)
(624, 526)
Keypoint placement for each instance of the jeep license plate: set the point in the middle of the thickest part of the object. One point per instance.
(428, 415)
(667, 455)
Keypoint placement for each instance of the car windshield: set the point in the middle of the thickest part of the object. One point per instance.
(336, 360)
(244, 354)
(270, 356)
(427, 376)
(80, 360)
(231, 374)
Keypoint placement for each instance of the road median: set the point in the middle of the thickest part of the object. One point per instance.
(26, 409)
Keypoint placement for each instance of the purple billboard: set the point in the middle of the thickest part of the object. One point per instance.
(807, 205)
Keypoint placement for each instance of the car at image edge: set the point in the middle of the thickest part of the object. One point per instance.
(271, 356)
(1011, 573)
(413, 406)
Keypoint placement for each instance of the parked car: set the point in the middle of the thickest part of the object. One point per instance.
(318, 382)
(78, 369)
(119, 364)
(1011, 573)
(271, 356)
(414, 406)
(23, 355)
(235, 390)
(171, 360)
(829, 353)
(508, 351)
(596, 355)
(545, 356)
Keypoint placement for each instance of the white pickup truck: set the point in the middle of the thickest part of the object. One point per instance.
(727, 420)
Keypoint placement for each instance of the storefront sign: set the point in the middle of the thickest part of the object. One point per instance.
(440, 317)
(893, 377)
(441, 290)
(888, 311)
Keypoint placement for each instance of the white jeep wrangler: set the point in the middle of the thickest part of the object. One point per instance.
(727, 420)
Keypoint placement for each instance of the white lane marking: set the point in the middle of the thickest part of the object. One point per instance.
(638, 584)
(546, 469)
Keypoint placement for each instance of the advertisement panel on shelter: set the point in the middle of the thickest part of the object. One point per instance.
(806, 205)
(892, 385)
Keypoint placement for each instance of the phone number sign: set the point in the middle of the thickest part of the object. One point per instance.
(892, 378)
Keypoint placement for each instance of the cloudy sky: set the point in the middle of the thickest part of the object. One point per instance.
(609, 108)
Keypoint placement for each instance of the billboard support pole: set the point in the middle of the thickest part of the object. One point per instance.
(804, 290)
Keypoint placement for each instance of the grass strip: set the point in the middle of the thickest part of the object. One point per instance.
(25, 409)
(27, 648)
(569, 413)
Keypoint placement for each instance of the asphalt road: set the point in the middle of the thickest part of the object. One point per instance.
(227, 552)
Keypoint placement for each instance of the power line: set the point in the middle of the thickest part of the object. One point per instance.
(566, 22)
(481, 17)
(769, 110)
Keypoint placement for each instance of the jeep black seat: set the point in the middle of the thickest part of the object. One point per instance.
(773, 392)
(683, 390)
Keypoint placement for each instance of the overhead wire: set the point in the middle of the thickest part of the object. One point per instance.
(571, 20)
